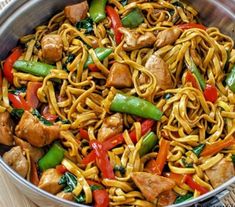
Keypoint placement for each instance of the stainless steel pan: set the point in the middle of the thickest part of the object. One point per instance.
(21, 16)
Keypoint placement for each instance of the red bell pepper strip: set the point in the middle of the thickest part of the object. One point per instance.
(93, 68)
(191, 25)
(92, 182)
(31, 94)
(195, 186)
(84, 134)
(217, 147)
(61, 169)
(112, 142)
(116, 23)
(102, 160)
(210, 93)
(48, 116)
(156, 166)
(101, 198)
(191, 79)
(178, 178)
(9, 62)
(18, 102)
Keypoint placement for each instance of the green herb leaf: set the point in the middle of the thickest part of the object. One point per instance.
(183, 198)
(95, 187)
(17, 113)
(124, 2)
(198, 149)
(42, 119)
(70, 58)
(186, 164)
(86, 24)
(233, 158)
(80, 198)
(17, 91)
(69, 181)
(119, 168)
(168, 96)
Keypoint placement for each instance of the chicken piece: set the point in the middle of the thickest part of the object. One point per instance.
(50, 181)
(6, 129)
(119, 76)
(76, 12)
(159, 69)
(135, 40)
(35, 132)
(52, 47)
(151, 185)
(166, 198)
(15, 159)
(34, 152)
(112, 125)
(167, 37)
(220, 173)
(67, 196)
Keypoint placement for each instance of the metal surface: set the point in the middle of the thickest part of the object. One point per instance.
(21, 16)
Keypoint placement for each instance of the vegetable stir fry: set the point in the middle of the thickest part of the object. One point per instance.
(121, 103)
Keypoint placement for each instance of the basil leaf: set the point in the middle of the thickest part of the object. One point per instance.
(69, 181)
(124, 2)
(95, 187)
(17, 113)
(80, 198)
(86, 24)
(119, 168)
(183, 198)
(198, 149)
(233, 158)
(42, 119)
(17, 91)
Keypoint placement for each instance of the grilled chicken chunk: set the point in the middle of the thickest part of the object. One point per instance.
(111, 126)
(134, 40)
(220, 173)
(166, 198)
(15, 159)
(34, 152)
(119, 76)
(67, 196)
(167, 37)
(76, 12)
(151, 185)
(52, 47)
(6, 129)
(35, 132)
(159, 69)
(49, 181)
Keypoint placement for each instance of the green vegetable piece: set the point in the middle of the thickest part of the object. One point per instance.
(86, 24)
(101, 54)
(17, 91)
(183, 198)
(34, 68)
(168, 96)
(193, 68)
(17, 113)
(52, 158)
(233, 158)
(230, 80)
(186, 164)
(81, 198)
(198, 149)
(135, 106)
(96, 187)
(41, 118)
(69, 181)
(97, 10)
(149, 141)
(124, 2)
(133, 19)
(120, 168)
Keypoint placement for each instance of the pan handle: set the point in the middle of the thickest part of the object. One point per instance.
(215, 201)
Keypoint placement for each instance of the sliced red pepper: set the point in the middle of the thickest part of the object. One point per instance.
(18, 102)
(9, 62)
(33, 173)
(191, 25)
(191, 79)
(61, 169)
(195, 186)
(116, 23)
(112, 142)
(102, 160)
(47, 115)
(210, 93)
(217, 147)
(31, 94)
(156, 166)
(178, 178)
(84, 134)
(93, 68)
(92, 182)
(101, 198)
